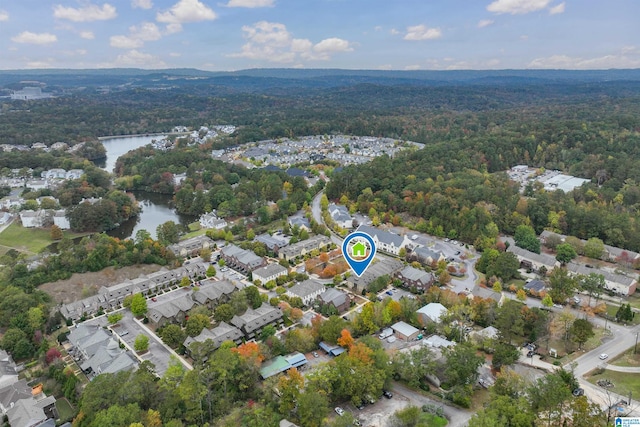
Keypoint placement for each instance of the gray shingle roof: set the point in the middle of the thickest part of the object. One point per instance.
(213, 290)
(334, 296)
(306, 288)
(382, 236)
(252, 320)
(219, 334)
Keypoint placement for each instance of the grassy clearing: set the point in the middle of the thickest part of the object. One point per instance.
(31, 240)
(613, 309)
(194, 234)
(627, 359)
(624, 382)
(65, 411)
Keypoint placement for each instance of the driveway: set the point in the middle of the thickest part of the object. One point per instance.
(159, 354)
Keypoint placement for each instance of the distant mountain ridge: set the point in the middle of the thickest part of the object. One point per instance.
(290, 81)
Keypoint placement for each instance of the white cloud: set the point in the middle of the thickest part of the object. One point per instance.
(33, 38)
(517, 7)
(88, 13)
(40, 64)
(422, 32)
(627, 57)
(141, 4)
(135, 58)
(332, 45)
(250, 3)
(183, 12)
(271, 41)
(147, 31)
(394, 32)
(4, 16)
(485, 23)
(87, 35)
(412, 67)
(175, 54)
(557, 9)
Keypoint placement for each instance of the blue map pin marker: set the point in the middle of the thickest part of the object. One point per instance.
(356, 254)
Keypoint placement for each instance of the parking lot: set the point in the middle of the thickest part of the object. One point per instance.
(158, 353)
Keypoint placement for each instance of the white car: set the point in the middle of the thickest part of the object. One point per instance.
(414, 237)
(339, 411)
(603, 356)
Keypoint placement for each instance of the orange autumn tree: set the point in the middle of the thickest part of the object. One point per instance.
(250, 351)
(360, 351)
(345, 340)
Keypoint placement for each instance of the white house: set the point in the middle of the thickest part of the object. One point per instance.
(31, 218)
(211, 220)
(432, 312)
(385, 240)
(60, 219)
(340, 215)
(269, 273)
(307, 290)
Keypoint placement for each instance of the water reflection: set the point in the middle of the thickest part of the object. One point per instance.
(156, 209)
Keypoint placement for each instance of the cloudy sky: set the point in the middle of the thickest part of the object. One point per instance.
(355, 34)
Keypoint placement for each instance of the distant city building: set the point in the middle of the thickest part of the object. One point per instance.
(29, 93)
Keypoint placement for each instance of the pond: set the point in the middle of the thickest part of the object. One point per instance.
(156, 208)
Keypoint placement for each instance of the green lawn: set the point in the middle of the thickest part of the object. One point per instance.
(65, 411)
(32, 240)
(623, 382)
(613, 309)
(194, 234)
(627, 358)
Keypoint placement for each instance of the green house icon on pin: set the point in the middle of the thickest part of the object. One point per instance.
(358, 250)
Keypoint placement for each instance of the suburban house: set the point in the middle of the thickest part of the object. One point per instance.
(211, 220)
(253, 321)
(211, 293)
(618, 283)
(531, 260)
(5, 217)
(405, 331)
(611, 253)
(385, 240)
(380, 267)
(304, 247)
(109, 359)
(100, 351)
(31, 218)
(192, 246)
(8, 369)
(341, 216)
(534, 287)
(60, 219)
(307, 290)
(269, 272)
(221, 333)
(436, 341)
(432, 312)
(273, 243)
(27, 406)
(486, 293)
(427, 256)
(413, 278)
(336, 298)
(300, 221)
(172, 310)
(240, 259)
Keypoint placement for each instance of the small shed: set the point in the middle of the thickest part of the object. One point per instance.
(331, 350)
(296, 360)
(405, 331)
